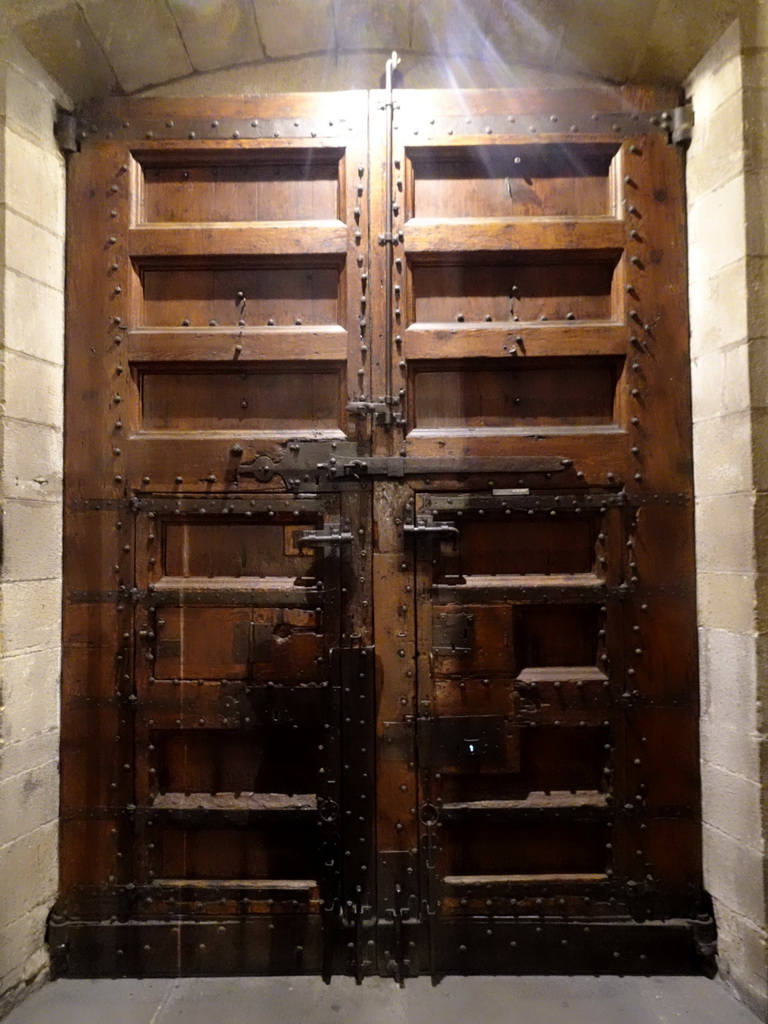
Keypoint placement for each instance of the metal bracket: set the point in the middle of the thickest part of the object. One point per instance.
(65, 131)
(682, 124)
(309, 466)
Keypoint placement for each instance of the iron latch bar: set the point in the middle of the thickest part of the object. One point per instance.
(309, 466)
(333, 535)
(380, 409)
(426, 525)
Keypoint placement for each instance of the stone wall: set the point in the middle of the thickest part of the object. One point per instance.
(31, 379)
(728, 250)
(728, 194)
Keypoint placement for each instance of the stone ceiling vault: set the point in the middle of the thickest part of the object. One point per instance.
(96, 47)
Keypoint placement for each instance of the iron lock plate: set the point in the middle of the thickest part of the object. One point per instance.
(475, 740)
(452, 633)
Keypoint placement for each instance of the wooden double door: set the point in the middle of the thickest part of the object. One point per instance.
(379, 608)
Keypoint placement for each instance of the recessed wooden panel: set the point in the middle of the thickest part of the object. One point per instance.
(528, 545)
(557, 635)
(238, 547)
(551, 759)
(299, 184)
(522, 287)
(499, 848)
(212, 761)
(285, 851)
(257, 295)
(267, 399)
(262, 644)
(525, 393)
(512, 181)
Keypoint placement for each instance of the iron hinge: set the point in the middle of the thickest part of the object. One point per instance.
(681, 127)
(65, 131)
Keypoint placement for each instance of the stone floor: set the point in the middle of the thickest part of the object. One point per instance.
(529, 1000)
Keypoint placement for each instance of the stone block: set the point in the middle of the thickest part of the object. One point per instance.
(722, 455)
(29, 868)
(761, 647)
(716, 155)
(754, 67)
(733, 873)
(756, 202)
(724, 50)
(760, 448)
(140, 40)
(726, 601)
(32, 250)
(755, 102)
(15, 54)
(736, 750)
(28, 801)
(33, 317)
(16, 758)
(33, 390)
(720, 382)
(80, 67)
(712, 85)
(731, 804)
(31, 614)
(34, 179)
(728, 673)
(754, 28)
(724, 537)
(707, 385)
(357, 29)
(757, 296)
(32, 541)
(21, 944)
(292, 27)
(717, 214)
(29, 693)
(758, 372)
(718, 309)
(736, 390)
(217, 33)
(28, 106)
(743, 957)
(32, 461)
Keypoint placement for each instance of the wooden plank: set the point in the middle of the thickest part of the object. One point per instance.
(338, 108)
(491, 340)
(565, 877)
(534, 801)
(585, 238)
(237, 345)
(280, 238)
